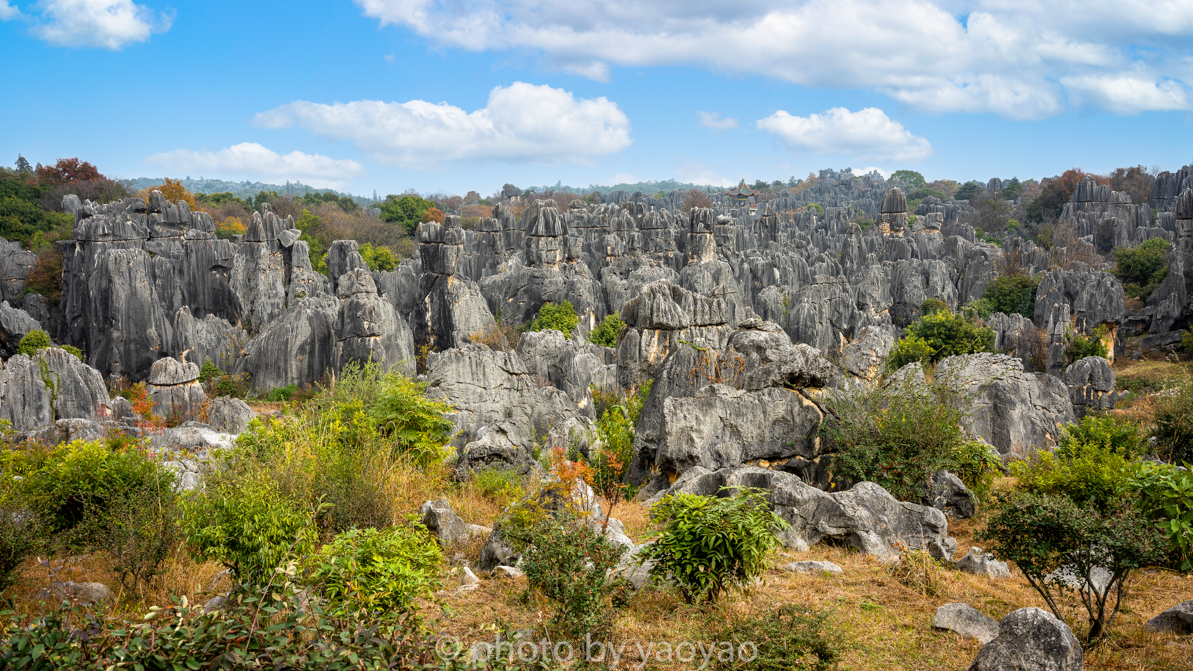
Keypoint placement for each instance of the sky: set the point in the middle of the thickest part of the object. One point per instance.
(459, 95)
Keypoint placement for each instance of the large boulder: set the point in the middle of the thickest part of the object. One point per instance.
(865, 517)
(14, 325)
(175, 390)
(229, 415)
(1030, 639)
(967, 621)
(1013, 410)
(1176, 620)
(1091, 385)
(28, 385)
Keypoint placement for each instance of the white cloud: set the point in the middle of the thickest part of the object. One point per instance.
(521, 122)
(714, 121)
(7, 11)
(865, 134)
(388, 58)
(1127, 94)
(695, 172)
(1010, 57)
(110, 24)
(250, 159)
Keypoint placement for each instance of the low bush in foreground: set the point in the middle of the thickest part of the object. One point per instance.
(381, 572)
(707, 546)
(794, 638)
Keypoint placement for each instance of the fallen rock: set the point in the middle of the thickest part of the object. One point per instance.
(85, 593)
(1030, 639)
(468, 580)
(813, 567)
(510, 572)
(967, 621)
(229, 415)
(441, 520)
(497, 552)
(978, 563)
(945, 492)
(1176, 620)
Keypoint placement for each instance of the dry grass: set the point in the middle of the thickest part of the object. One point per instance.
(1145, 379)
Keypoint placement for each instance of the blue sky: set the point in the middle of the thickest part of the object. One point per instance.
(470, 94)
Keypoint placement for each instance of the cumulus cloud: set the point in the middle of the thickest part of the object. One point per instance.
(7, 11)
(521, 122)
(865, 134)
(1127, 94)
(110, 24)
(1010, 57)
(714, 121)
(250, 159)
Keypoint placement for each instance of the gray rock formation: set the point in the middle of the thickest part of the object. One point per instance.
(1030, 639)
(945, 492)
(813, 567)
(439, 518)
(14, 325)
(367, 327)
(1015, 411)
(866, 517)
(967, 621)
(297, 348)
(866, 356)
(979, 563)
(49, 385)
(1091, 385)
(229, 415)
(450, 308)
(175, 390)
(1176, 620)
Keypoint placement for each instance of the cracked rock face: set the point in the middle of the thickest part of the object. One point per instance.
(1030, 639)
(29, 384)
(175, 390)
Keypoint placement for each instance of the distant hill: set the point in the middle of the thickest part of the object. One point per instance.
(239, 189)
(650, 186)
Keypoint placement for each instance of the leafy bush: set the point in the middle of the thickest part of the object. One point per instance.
(559, 316)
(710, 545)
(72, 481)
(247, 525)
(33, 341)
(379, 257)
(1089, 475)
(937, 336)
(977, 464)
(282, 394)
(1173, 425)
(895, 435)
(1166, 497)
(415, 424)
(236, 386)
(377, 571)
(1079, 347)
(792, 638)
(71, 349)
(209, 371)
(1053, 541)
(615, 429)
(982, 307)
(1142, 268)
(1011, 294)
(606, 333)
(932, 306)
(501, 485)
(1117, 436)
(569, 561)
(20, 532)
(139, 529)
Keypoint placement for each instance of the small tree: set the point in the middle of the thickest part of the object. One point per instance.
(606, 333)
(559, 316)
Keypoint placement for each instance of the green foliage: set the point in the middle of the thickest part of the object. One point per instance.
(502, 485)
(415, 424)
(138, 528)
(72, 350)
(1091, 475)
(209, 371)
(1166, 497)
(896, 435)
(559, 316)
(1142, 268)
(317, 247)
(1173, 425)
(606, 333)
(1045, 534)
(316, 198)
(20, 531)
(21, 215)
(66, 484)
(34, 340)
(932, 306)
(282, 394)
(708, 545)
(936, 336)
(969, 190)
(977, 464)
(1110, 434)
(1012, 294)
(236, 386)
(1091, 345)
(248, 525)
(1187, 342)
(406, 211)
(814, 207)
(378, 258)
(792, 638)
(569, 561)
(615, 428)
(982, 307)
(1014, 226)
(381, 572)
(911, 178)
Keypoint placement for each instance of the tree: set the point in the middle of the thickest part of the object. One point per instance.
(694, 199)
(1142, 268)
(1056, 192)
(174, 191)
(406, 210)
(310, 226)
(68, 170)
(23, 166)
(969, 190)
(434, 214)
(1012, 189)
(911, 178)
(1136, 182)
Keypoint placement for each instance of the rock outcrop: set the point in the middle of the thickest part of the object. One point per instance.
(1030, 639)
(175, 390)
(50, 385)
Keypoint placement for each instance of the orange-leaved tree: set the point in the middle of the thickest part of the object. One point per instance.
(68, 170)
(174, 191)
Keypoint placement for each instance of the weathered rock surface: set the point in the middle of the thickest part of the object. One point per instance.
(14, 325)
(948, 494)
(28, 386)
(439, 518)
(1091, 385)
(229, 415)
(813, 567)
(1030, 639)
(979, 563)
(175, 390)
(1176, 620)
(967, 621)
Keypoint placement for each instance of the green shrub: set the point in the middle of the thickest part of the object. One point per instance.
(939, 335)
(615, 429)
(932, 306)
(1142, 268)
(1011, 294)
(1044, 534)
(559, 316)
(139, 530)
(1173, 425)
(1187, 342)
(20, 532)
(236, 386)
(1093, 344)
(977, 464)
(377, 571)
(708, 545)
(606, 333)
(982, 307)
(792, 638)
(502, 485)
(282, 394)
(415, 424)
(209, 371)
(71, 349)
(569, 562)
(72, 481)
(1090, 475)
(247, 525)
(1166, 497)
(378, 258)
(34, 340)
(1115, 435)
(895, 435)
